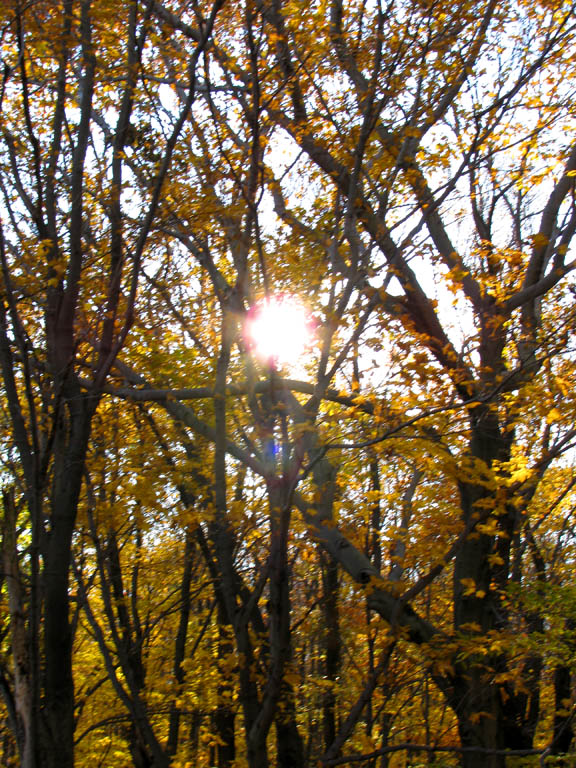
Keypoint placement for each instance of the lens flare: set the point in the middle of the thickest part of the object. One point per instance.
(278, 330)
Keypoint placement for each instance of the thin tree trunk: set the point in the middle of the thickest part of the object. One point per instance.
(332, 642)
(180, 642)
(225, 714)
(23, 682)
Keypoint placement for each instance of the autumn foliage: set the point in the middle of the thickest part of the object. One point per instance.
(362, 555)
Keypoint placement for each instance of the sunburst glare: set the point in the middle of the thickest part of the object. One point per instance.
(279, 330)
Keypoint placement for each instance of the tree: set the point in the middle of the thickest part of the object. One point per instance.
(382, 139)
(70, 272)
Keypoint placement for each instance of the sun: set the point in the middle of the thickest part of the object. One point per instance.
(279, 329)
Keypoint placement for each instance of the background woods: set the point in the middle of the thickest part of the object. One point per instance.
(361, 555)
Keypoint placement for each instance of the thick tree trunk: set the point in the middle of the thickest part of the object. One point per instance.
(289, 745)
(480, 721)
(70, 445)
(481, 570)
(138, 750)
(57, 742)
(563, 730)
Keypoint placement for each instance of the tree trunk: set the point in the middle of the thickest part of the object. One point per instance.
(480, 721)
(23, 680)
(180, 642)
(290, 749)
(225, 715)
(70, 445)
(481, 571)
(563, 731)
(332, 642)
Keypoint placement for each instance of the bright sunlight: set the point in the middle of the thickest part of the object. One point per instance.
(279, 329)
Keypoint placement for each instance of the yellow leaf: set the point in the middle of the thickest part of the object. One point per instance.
(539, 240)
(553, 415)
(520, 475)
(469, 586)
(44, 248)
